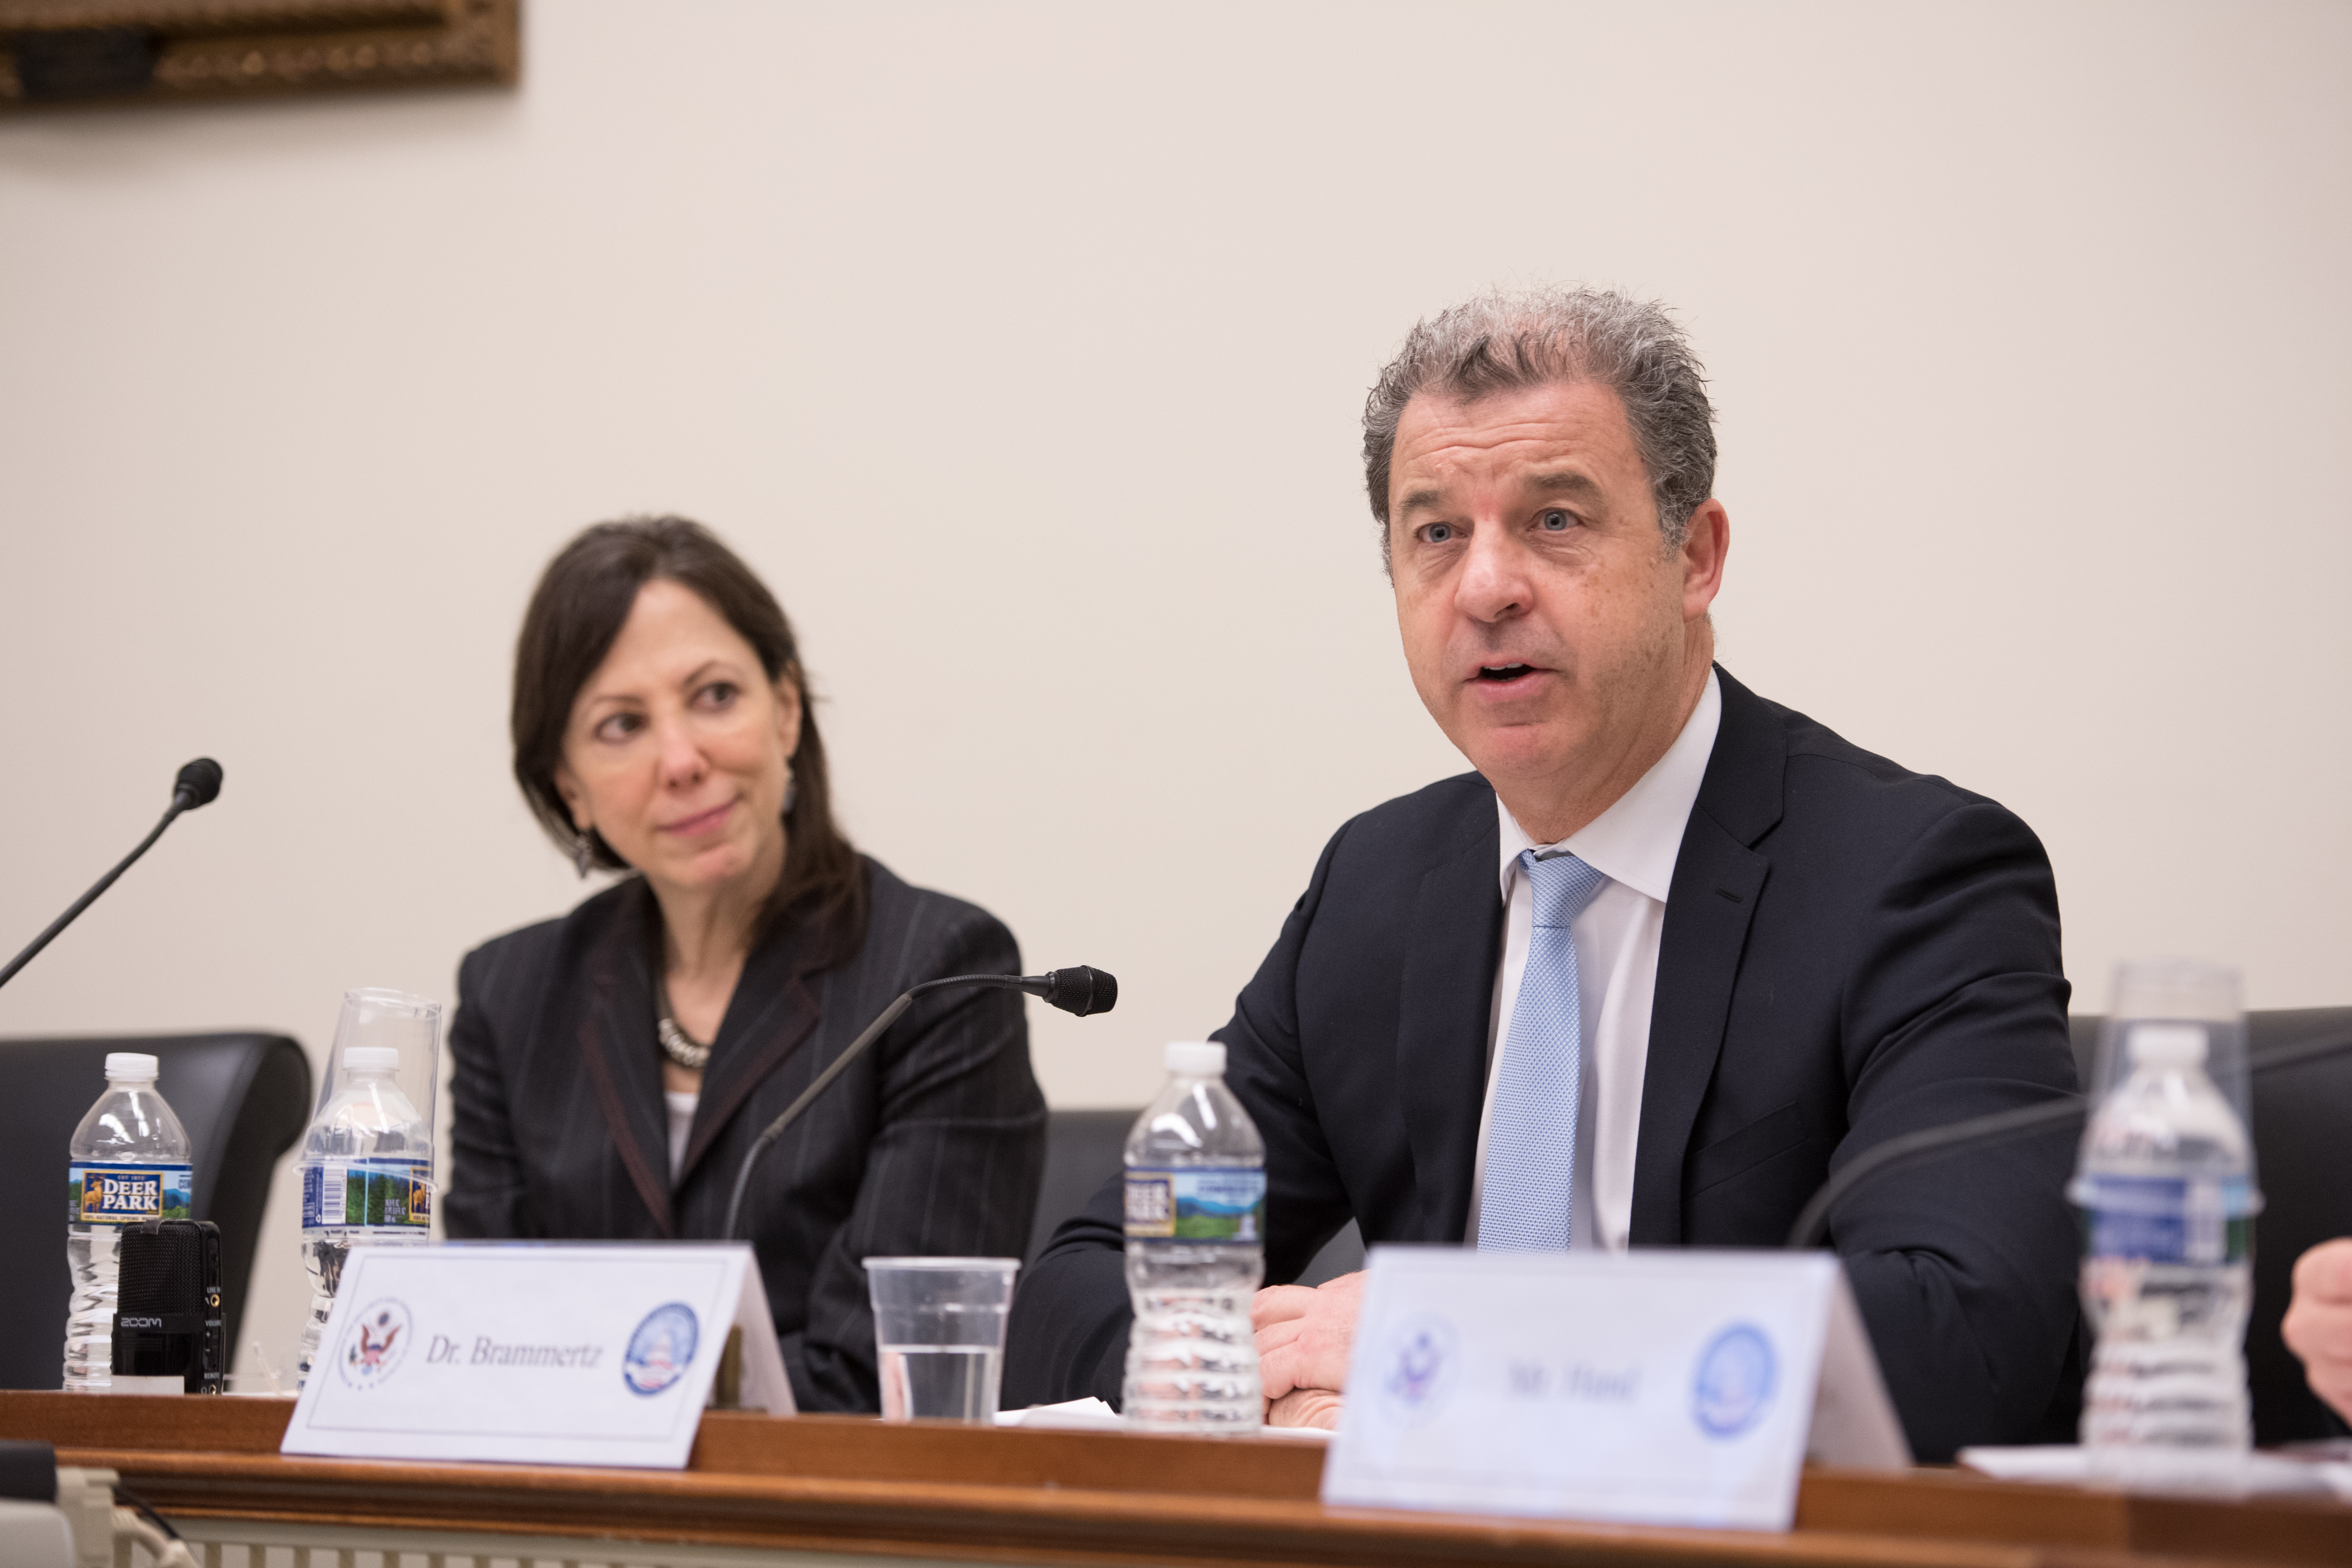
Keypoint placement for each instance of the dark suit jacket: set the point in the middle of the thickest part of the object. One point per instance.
(931, 1143)
(1850, 952)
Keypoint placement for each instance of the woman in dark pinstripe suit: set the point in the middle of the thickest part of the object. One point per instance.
(613, 1066)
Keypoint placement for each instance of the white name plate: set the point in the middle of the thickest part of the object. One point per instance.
(1651, 1387)
(563, 1353)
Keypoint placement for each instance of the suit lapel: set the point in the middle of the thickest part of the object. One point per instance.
(773, 1010)
(618, 1047)
(1717, 879)
(1444, 997)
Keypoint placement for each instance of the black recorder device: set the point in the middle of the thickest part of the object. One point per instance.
(167, 1305)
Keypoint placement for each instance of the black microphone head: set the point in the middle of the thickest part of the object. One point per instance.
(198, 784)
(1081, 989)
(161, 1269)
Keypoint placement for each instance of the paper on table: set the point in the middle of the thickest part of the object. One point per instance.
(1071, 1414)
(1296, 1434)
(1091, 1415)
(2068, 1463)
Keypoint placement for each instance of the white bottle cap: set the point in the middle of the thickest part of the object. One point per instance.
(371, 1058)
(2167, 1046)
(1196, 1058)
(131, 1067)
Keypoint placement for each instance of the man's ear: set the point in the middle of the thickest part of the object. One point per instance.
(1705, 542)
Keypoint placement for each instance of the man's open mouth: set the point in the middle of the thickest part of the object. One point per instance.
(1503, 671)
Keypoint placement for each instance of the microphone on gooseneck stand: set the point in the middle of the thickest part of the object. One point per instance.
(2000, 1127)
(1081, 991)
(198, 782)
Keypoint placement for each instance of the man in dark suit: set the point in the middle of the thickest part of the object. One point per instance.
(1670, 956)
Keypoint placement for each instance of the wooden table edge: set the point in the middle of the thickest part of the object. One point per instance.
(873, 1517)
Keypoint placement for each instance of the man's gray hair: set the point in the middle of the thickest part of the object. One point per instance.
(1502, 343)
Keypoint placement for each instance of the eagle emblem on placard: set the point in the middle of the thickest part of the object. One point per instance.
(375, 1345)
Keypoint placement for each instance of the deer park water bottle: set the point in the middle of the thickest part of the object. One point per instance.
(129, 1161)
(1196, 1251)
(367, 1159)
(2166, 1189)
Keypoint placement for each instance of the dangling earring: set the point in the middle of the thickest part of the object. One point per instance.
(584, 852)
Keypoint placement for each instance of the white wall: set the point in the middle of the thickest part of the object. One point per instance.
(1021, 348)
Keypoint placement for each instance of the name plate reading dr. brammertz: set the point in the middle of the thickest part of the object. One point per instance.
(1652, 1387)
(535, 1354)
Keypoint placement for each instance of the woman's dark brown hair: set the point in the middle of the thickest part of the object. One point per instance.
(575, 614)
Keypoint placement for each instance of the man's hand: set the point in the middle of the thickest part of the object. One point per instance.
(1304, 1338)
(1306, 1407)
(2319, 1325)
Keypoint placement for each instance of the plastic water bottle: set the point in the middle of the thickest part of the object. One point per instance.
(1196, 1251)
(367, 1178)
(2167, 1208)
(130, 1161)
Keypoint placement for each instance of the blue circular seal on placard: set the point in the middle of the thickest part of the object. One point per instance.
(375, 1345)
(661, 1349)
(1734, 1385)
(1421, 1360)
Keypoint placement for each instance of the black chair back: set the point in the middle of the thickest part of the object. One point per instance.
(1084, 1149)
(2302, 1162)
(243, 1098)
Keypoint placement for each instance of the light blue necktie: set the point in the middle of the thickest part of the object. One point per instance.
(1531, 1137)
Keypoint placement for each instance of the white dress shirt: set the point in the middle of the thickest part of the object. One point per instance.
(680, 1103)
(1634, 844)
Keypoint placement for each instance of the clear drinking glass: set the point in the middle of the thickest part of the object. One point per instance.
(378, 1019)
(938, 1334)
(2176, 991)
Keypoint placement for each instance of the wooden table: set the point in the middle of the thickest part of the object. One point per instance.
(837, 1484)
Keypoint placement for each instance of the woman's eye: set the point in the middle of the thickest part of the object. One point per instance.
(719, 693)
(1555, 521)
(618, 726)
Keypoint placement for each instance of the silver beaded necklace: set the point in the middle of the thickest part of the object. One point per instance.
(675, 1043)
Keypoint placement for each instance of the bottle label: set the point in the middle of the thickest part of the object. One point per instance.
(101, 1193)
(1197, 1203)
(2165, 1219)
(391, 1196)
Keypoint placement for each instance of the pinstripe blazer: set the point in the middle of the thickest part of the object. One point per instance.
(932, 1143)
